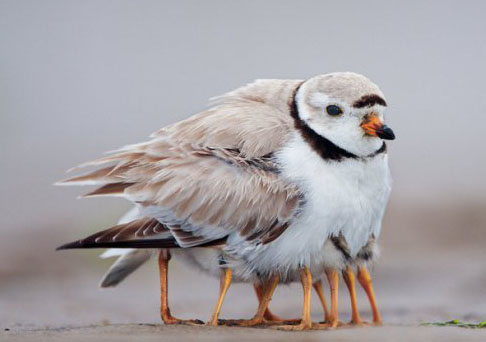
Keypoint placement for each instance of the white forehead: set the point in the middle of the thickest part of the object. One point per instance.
(344, 87)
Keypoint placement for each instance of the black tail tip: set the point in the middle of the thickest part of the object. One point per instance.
(70, 245)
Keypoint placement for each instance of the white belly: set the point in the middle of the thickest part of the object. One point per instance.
(346, 197)
(210, 261)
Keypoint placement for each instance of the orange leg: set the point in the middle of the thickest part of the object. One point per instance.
(333, 279)
(364, 279)
(268, 315)
(350, 280)
(164, 257)
(225, 283)
(305, 323)
(318, 288)
(258, 318)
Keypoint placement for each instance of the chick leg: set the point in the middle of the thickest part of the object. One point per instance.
(318, 288)
(225, 283)
(333, 279)
(258, 318)
(305, 323)
(364, 279)
(268, 315)
(167, 318)
(350, 280)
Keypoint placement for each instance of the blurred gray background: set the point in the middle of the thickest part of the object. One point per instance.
(78, 78)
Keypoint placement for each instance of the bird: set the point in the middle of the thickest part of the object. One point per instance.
(208, 261)
(284, 176)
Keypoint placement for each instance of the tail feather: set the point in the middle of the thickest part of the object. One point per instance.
(112, 189)
(146, 232)
(140, 233)
(153, 243)
(124, 266)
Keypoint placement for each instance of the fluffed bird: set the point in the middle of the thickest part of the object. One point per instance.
(208, 261)
(275, 175)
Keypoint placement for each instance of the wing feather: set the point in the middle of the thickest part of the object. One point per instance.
(209, 175)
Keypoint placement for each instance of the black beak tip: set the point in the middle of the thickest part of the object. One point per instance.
(385, 133)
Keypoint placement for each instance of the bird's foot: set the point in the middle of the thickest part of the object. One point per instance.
(294, 327)
(353, 323)
(170, 320)
(377, 323)
(360, 323)
(292, 321)
(242, 322)
(270, 317)
(326, 325)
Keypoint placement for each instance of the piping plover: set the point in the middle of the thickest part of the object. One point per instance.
(206, 260)
(273, 174)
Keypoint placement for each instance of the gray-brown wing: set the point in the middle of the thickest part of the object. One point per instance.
(210, 175)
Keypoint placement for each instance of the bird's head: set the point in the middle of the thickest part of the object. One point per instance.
(346, 109)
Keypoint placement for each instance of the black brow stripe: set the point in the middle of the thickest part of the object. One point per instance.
(369, 100)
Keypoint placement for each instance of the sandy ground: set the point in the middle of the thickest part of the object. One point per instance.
(432, 269)
(144, 332)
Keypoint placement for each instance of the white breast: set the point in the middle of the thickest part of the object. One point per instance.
(347, 197)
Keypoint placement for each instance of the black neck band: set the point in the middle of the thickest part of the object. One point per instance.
(322, 146)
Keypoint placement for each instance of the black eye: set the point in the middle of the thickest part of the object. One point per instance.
(333, 110)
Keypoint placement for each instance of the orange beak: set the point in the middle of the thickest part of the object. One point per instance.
(373, 126)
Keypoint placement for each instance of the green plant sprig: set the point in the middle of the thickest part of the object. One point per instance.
(457, 323)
